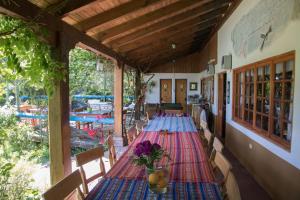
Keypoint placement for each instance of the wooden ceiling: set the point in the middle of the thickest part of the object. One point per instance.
(143, 31)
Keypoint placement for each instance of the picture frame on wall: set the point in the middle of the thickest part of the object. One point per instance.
(193, 86)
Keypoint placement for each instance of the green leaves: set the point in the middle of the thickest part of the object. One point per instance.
(22, 51)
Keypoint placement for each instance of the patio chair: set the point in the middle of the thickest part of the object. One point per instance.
(217, 147)
(207, 136)
(86, 157)
(65, 187)
(232, 191)
(131, 134)
(224, 167)
(111, 150)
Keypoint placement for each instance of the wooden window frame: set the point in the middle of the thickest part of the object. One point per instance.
(240, 108)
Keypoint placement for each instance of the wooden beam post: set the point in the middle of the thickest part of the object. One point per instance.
(118, 97)
(137, 111)
(58, 116)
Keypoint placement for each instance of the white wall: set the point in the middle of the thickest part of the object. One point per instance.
(288, 40)
(154, 96)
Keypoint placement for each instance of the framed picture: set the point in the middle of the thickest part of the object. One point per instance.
(193, 86)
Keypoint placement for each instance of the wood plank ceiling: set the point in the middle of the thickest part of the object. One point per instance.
(146, 32)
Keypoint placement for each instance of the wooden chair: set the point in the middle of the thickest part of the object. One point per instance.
(111, 150)
(139, 125)
(223, 165)
(203, 124)
(65, 187)
(86, 157)
(217, 147)
(231, 188)
(131, 134)
(208, 136)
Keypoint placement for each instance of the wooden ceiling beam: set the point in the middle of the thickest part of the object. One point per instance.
(176, 38)
(157, 14)
(160, 36)
(160, 61)
(183, 39)
(71, 6)
(167, 52)
(106, 16)
(164, 24)
(55, 26)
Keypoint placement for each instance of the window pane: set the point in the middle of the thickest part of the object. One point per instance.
(260, 74)
(289, 66)
(287, 131)
(259, 105)
(252, 75)
(278, 90)
(288, 91)
(278, 71)
(266, 106)
(267, 73)
(259, 89)
(246, 116)
(247, 89)
(276, 127)
(251, 103)
(267, 89)
(265, 123)
(251, 89)
(277, 109)
(288, 107)
(250, 117)
(258, 121)
(246, 102)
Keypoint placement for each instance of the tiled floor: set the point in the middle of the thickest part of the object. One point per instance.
(249, 188)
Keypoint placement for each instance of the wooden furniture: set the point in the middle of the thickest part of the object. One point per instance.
(86, 157)
(131, 134)
(223, 165)
(111, 150)
(151, 109)
(207, 136)
(232, 188)
(217, 147)
(173, 111)
(65, 187)
(139, 126)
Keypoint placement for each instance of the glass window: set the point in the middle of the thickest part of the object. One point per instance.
(264, 92)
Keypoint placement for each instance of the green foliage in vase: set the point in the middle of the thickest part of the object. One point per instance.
(24, 54)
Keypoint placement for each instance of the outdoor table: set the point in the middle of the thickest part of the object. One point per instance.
(191, 176)
(93, 113)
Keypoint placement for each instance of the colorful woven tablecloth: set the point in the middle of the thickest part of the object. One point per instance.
(172, 124)
(120, 189)
(190, 174)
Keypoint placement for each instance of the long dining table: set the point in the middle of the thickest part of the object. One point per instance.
(191, 176)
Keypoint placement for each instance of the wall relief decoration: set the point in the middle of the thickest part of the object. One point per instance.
(262, 24)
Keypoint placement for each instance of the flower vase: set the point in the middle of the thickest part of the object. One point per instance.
(158, 179)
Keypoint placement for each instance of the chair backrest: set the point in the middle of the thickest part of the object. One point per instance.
(131, 134)
(147, 117)
(223, 164)
(111, 150)
(65, 187)
(203, 124)
(232, 188)
(86, 157)
(139, 126)
(207, 135)
(217, 147)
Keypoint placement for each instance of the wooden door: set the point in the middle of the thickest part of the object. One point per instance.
(180, 92)
(221, 119)
(166, 91)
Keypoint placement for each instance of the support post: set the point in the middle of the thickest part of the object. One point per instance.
(137, 108)
(58, 116)
(118, 97)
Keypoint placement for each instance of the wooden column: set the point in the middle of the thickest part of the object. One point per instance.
(118, 97)
(137, 108)
(58, 116)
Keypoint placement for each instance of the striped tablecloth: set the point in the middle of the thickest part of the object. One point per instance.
(114, 188)
(190, 174)
(172, 124)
